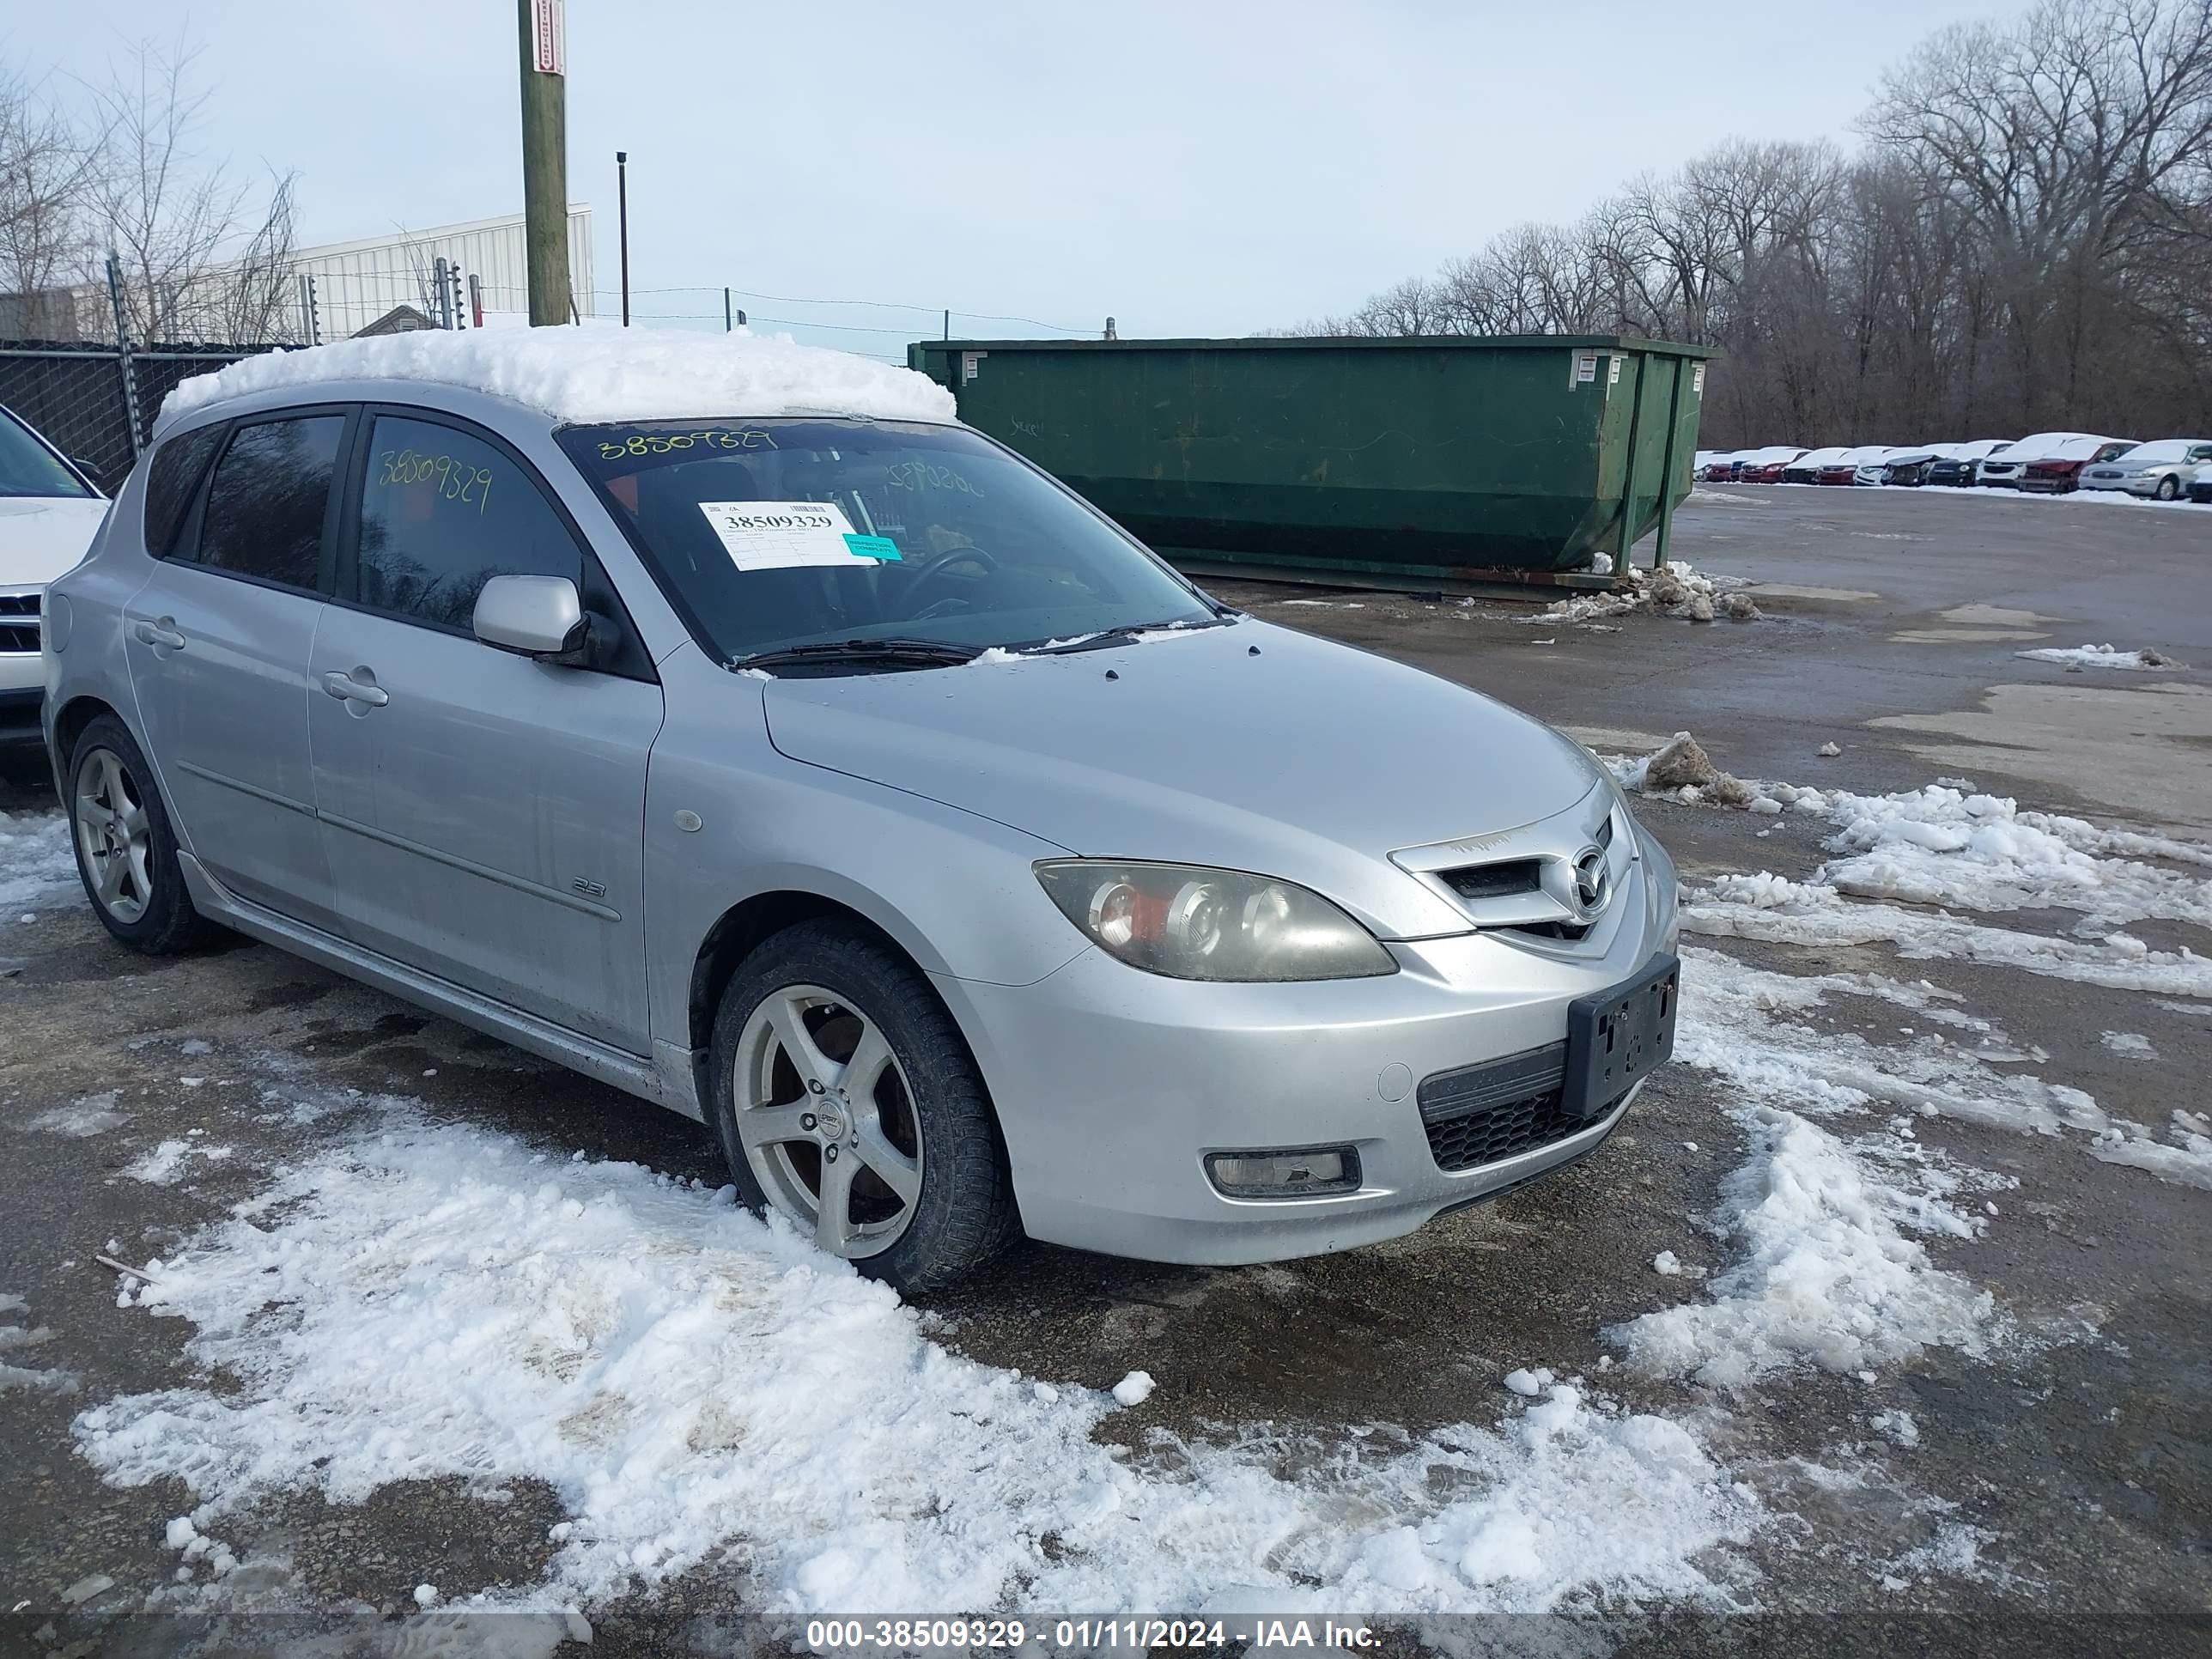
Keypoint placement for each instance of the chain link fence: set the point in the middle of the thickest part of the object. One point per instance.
(96, 402)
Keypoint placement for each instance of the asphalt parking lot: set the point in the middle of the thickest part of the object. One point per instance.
(2037, 1452)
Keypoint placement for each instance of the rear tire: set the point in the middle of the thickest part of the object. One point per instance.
(910, 1153)
(127, 853)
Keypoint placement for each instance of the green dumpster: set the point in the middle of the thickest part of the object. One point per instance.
(1412, 463)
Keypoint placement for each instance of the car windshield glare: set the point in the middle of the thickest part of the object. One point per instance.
(773, 534)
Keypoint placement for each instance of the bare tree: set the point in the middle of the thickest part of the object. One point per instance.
(2027, 241)
(201, 257)
(46, 164)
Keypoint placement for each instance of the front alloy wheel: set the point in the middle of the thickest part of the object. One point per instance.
(827, 1119)
(2168, 488)
(847, 1100)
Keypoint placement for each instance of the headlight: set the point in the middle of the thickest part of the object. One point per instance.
(1189, 922)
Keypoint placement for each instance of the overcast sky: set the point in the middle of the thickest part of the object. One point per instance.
(1210, 167)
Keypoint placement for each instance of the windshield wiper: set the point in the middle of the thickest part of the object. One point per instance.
(1107, 637)
(925, 653)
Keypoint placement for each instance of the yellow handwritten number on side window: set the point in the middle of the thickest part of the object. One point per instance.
(451, 480)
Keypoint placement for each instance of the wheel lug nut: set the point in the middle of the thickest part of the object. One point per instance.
(814, 1085)
(830, 1153)
(806, 1120)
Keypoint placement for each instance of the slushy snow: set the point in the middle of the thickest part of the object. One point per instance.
(2101, 656)
(36, 860)
(596, 375)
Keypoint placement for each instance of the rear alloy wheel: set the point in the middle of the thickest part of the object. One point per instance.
(2168, 488)
(127, 853)
(114, 838)
(847, 1100)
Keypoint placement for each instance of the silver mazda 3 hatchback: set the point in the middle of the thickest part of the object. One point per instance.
(721, 719)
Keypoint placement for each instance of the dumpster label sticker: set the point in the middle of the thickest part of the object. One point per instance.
(790, 534)
(1698, 380)
(1585, 369)
(968, 362)
(1612, 379)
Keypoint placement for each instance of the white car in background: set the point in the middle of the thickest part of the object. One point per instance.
(2161, 470)
(49, 512)
(1867, 462)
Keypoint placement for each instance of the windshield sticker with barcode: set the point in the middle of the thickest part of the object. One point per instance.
(791, 535)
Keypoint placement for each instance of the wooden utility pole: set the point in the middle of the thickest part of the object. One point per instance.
(545, 158)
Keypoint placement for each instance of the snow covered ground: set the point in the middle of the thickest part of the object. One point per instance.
(37, 862)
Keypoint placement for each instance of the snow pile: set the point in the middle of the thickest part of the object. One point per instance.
(2102, 656)
(2188, 1161)
(1684, 770)
(593, 376)
(1941, 845)
(36, 859)
(699, 1384)
(1946, 844)
(1676, 591)
(1827, 1271)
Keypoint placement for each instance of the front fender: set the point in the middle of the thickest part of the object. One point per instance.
(954, 890)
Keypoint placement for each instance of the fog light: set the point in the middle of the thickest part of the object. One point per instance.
(1310, 1172)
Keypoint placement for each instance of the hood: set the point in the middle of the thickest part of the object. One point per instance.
(43, 536)
(1311, 761)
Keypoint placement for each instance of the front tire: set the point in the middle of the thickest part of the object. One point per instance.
(127, 853)
(2168, 488)
(846, 1099)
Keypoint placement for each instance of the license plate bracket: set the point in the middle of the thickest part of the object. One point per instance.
(1616, 1038)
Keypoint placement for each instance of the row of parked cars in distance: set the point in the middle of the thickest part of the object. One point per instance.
(2047, 462)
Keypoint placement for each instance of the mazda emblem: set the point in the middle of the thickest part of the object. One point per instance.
(1592, 879)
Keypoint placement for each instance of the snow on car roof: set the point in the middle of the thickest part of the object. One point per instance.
(2076, 449)
(588, 375)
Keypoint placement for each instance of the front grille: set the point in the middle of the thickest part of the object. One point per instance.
(1570, 933)
(1492, 881)
(19, 623)
(1486, 1113)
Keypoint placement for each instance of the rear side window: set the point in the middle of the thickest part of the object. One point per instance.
(442, 512)
(172, 478)
(266, 504)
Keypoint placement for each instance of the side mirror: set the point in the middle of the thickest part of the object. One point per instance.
(531, 615)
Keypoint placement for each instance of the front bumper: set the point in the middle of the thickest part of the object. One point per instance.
(2118, 481)
(1112, 1085)
(22, 689)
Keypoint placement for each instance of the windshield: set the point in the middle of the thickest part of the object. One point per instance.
(772, 534)
(28, 467)
(2167, 449)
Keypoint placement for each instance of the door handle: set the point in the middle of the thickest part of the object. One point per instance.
(162, 632)
(339, 683)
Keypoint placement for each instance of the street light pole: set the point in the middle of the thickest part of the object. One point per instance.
(543, 27)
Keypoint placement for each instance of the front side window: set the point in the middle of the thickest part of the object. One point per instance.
(782, 533)
(443, 512)
(266, 502)
(28, 467)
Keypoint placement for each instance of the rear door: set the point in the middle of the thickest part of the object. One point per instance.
(218, 642)
(482, 812)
